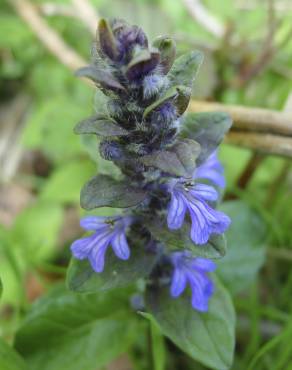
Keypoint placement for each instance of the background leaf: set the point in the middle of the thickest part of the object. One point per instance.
(69, 331)
(10, 359)
(61, 188)
(246, 239)
(157, 343)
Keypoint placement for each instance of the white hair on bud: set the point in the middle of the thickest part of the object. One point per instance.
(152, 84)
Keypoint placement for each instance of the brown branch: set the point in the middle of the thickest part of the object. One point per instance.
(53, 42)
(262, 143)
(250, 119)
(255, 160)
(87, 13)
(52, 9)
(201, 15)
(268, 50)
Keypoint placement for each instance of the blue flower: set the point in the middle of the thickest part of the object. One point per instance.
(211, 170)
(107, 231)
(194, 198)
(192, 271)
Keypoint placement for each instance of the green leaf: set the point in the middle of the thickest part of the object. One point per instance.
(179, 160)
(1, 287)
(72, 331)
(167, 49)
(208, 129)
(183, 98)
(180, 239)
(61, 188)
(207, 337)
(101, 77)
(104, 191)
(10, 359)
(246, 240)
(117, 273)
(49, 128)
(158, 345)
(185, 69)
(99, 125)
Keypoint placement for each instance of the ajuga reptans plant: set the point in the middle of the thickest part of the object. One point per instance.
(168, 230)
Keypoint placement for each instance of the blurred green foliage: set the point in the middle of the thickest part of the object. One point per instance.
(32, 246)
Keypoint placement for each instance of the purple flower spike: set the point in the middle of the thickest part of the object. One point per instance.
(108, 231)
(211, 170)
(192, 271)
(195, 198)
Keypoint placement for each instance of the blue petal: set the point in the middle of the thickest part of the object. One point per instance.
(204, 191)
(202, 289)
(203, 264)
(206, 221)
(97, 254)
(212, 175)
(97, 257)
(81, 248)
(120, 245)
(176, 211)
(93, 222)
(211, 170)
(178, 282)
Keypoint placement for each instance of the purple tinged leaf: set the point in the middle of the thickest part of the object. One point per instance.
(100, 125)
(142, 63)
(102, 78)
(179, 160)
(107, 41)
(104, 191)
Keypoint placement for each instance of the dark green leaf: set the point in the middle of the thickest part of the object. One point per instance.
(208, 129)
(179, 160)
(167, 49)
(99, 125)
(117, 273)
(180, 239)
(185, 68)
(207, 337)
(72, 331)
(101, 77)
(104, 191)
(10, 359)
(183, 98)
(246, 240)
